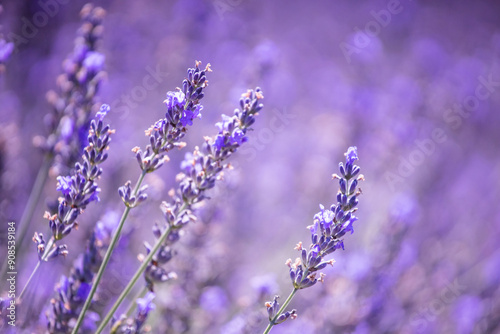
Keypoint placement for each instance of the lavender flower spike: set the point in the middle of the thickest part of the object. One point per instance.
(128, 325)
(200, 171)
(79, 189)
(166, 134)
(69, 120)
(327, 232)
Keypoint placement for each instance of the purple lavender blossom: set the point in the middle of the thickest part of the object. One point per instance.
(74, 100)
(64, 184)
(94, 61)
(201, 169)
(189, 114)
(145, 305)
(327, 232)
(165, 134)
(175, 100)
(135, 325)
(102, 112)
(79, 189)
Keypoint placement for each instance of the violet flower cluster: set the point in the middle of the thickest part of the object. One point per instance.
(183, 106)
(79, 189)
(135, 324)
(327, 232)
(68, 123)
(200, 171)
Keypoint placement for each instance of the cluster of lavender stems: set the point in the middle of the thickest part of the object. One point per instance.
(67, 141)
(71, 109)
(327, 233)
(183, 106)
(78, 190)
(200, 171)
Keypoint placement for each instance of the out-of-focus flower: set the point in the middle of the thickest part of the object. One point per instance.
(264, 285)
(74, 289)
(74, 100)
(6, 49)
(214, 299)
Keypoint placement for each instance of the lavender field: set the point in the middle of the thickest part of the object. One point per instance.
(172, 166)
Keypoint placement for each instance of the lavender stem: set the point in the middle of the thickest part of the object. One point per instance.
(30, 207)
(106, 258)
(45, 254)
(137, 274)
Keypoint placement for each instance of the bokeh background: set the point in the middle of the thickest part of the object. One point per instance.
(415, 85)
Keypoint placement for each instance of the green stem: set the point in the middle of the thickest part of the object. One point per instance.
(48, 247)
(106, 258)
(281, 310)
(36, 192)
(29, 280)
(30, 207)
(136, 276)
(132, 305)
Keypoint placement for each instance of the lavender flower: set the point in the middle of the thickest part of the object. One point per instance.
(200, 171)
(83, 73)
(135, 325)
(327, 232)
(165, 134)
(79, 189)
(73, 290)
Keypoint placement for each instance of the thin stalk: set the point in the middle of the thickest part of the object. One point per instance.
(35, 194)
(281, 310)
(29, 280)
(134, 279)
(48, 247)
(30, 207)
(106, 258)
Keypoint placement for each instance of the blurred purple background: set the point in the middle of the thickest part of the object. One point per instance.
(415, 85)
